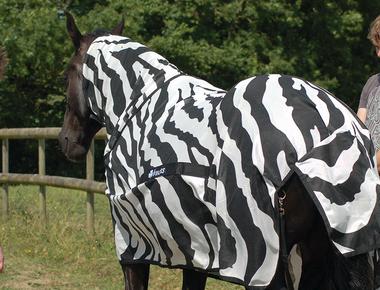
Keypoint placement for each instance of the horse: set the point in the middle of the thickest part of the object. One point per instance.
(299, 216)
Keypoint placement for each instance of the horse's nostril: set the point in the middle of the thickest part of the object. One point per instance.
(78, 139)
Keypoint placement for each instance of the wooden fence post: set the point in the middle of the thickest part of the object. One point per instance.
(42, 171)
(90, 195)
(5, 169)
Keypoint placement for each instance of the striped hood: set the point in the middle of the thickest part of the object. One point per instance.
(130, 73)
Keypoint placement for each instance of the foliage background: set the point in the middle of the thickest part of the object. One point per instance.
(220, 41)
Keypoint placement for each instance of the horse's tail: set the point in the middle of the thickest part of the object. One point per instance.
(354, 273)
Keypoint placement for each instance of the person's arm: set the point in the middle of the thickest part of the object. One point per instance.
(362, 114)
(1, 260)
(369, 85)
(378, 160)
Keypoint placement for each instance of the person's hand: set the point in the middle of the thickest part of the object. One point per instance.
(362, 114)
(1, 260)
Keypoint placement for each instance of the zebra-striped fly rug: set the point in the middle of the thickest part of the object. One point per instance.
(192, 170)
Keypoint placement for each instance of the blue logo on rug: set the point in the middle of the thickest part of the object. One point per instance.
(156, 172)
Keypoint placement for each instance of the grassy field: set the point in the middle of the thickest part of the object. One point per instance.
(62, 255)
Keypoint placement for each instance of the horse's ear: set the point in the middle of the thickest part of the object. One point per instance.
(118, 30)
(73, 30)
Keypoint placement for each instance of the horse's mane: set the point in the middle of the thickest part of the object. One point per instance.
(3, 62)
(98, 32)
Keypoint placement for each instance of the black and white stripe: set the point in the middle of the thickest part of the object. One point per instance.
(192, 170)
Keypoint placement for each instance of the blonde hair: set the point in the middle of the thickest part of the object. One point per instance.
(3, 62)
(374, 32)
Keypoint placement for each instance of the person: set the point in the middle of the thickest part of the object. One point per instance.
(369, 113)
(1, 260)
(369, 104)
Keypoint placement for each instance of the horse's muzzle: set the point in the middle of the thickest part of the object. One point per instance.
(73, 150)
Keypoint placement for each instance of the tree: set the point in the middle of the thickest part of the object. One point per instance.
(220, 41)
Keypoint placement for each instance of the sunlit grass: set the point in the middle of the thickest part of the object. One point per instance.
(62, 255)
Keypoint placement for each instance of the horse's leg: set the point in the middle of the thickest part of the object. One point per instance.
(193, 280)
(299, 216)
(305, 227)
(136, 276)
(317, 257)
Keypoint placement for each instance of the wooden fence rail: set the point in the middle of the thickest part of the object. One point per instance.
(43, 180)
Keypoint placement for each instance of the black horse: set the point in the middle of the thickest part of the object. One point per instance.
(323, 266)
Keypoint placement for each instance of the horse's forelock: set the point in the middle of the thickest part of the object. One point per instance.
(89, 37)
(99, 32)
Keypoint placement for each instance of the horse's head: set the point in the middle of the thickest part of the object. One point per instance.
(79, 126)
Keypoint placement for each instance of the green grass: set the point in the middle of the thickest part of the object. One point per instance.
(62, 255)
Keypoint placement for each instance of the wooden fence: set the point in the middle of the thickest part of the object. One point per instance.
(43, 180)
